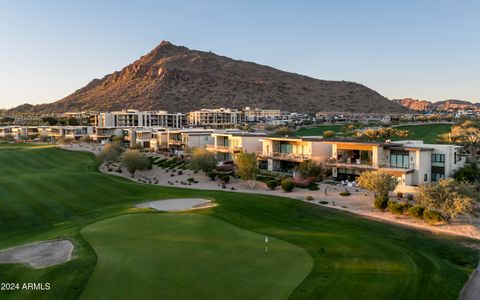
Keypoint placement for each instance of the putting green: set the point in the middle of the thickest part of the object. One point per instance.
(158, 256)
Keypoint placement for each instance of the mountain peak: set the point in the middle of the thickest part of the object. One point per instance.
(178, 79)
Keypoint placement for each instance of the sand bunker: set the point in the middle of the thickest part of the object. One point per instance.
(39, 255)
(177, 204)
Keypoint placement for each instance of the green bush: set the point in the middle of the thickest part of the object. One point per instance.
(416, 212)
(381, 202)
(345, 194)
(323, 202)
(313, 186)
(433, 217)
(224, 177)
(272, 184)
(287, 185)
(212, 175)
(397, 209)
(410, 197)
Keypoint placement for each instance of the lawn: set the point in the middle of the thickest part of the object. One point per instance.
(317, 131)
(172, 252)
(427, 133)
(50, 193)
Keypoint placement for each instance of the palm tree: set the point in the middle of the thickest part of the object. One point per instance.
(402, 133)
(372, 134)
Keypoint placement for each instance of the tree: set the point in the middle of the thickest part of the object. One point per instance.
(50, 121)
(7, 120)
(73, 122)
(134, 160)
(386, 132)
(358, 134)
(466, 134)
(111, 152)
(380, 183)
(402, 133)
(467, 174)
(329, 134)
(247, 167)
(310, 169)
(448, 197)
(202, 160)
(371, 134)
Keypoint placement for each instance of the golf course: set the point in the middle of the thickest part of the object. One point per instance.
(218, 252)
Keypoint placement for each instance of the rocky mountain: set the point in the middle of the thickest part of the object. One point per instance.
(450, 104)
(177, 79)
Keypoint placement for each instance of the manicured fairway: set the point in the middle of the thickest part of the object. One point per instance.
(49, 193)
(317, 131)
(427, 133)
(188, 257)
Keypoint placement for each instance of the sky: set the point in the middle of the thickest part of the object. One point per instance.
(424, 49)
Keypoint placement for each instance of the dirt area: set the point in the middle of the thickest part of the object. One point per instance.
(179, 204)
(359, 202)
(39, 255)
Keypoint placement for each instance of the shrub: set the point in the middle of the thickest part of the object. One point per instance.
(191, 179)
(309, 198)
(396, 209)
(410, 197)
(212, 175)
(313, 186)
(287, 185)
(345, 194)
(416, 212)
(399, 195)
(271, 184)
(180, 172)
(224, 177)
(433, 217)
(323, 202)
(381, 202)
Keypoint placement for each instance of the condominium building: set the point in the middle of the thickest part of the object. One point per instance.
(227, 144)
(412, 162)
(215, 118)
(257, 114)
(283, 154)
(135, 118)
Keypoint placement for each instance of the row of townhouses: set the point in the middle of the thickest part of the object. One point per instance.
(412, 161)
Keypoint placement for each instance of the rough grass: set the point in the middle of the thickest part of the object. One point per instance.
(48, 193)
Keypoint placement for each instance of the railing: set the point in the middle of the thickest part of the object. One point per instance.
(212, 147)
(350, 161)
(285, 156)
(175, 142)
(367, 164)
(409, 166)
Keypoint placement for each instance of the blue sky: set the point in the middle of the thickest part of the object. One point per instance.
(421, 49)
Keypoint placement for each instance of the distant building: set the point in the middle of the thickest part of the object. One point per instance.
(135, 118)
(216, 118)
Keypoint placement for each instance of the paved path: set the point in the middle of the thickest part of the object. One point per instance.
(471, 290)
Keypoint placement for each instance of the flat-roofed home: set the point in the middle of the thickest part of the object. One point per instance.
(104, 134)
(179, 139)
(283, 154)
(149, 138)
(5, 130)
(227, 144)
(55, 132)
(77, 132)
(19, 132)
(412, 162)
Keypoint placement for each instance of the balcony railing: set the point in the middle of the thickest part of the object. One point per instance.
(175, 142)
(221, 148)
(367, 164)
(285, 156)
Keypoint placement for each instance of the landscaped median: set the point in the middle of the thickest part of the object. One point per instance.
(48, 193)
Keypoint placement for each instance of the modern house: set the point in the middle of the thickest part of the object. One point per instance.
(283, 154)
(412, 162)
(103, 134)
(180, 139)
(227, 144)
